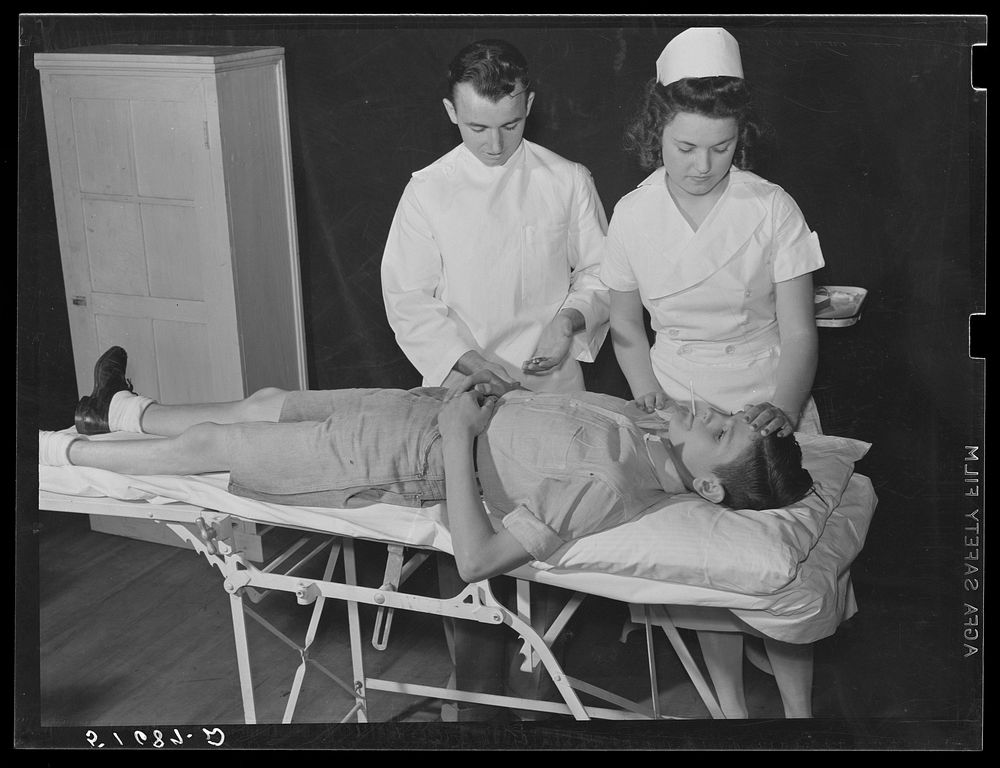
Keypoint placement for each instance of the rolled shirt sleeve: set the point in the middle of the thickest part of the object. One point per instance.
(538, 539)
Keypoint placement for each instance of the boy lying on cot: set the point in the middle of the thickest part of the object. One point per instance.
(549, 467)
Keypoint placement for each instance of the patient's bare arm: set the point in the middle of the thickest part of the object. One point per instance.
(480, 552)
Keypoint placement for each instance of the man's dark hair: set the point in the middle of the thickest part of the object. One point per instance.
(717, 97)
(768, 475)
(494, 67)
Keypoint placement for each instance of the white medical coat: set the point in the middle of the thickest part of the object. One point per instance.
(710, 292)
(483, 258)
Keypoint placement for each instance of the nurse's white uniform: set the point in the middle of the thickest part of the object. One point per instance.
(710, 292)
(482, 258)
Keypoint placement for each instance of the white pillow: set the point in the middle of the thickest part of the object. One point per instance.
(691, 541)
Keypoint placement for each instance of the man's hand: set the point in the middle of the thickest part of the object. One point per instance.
(554, 343)
(466, 415)
(652, 401)
(485, 382)
(473, 363)
(767, 418)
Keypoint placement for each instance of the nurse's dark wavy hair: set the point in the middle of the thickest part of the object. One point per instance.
(494, 67)
(717, 97)
(768, 475)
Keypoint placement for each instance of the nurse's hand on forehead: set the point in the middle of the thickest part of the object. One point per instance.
(767, 419)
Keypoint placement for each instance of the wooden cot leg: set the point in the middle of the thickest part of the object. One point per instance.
(243, 658)
(354, 624)
(545, 655)
(523, 594)
(654, 690)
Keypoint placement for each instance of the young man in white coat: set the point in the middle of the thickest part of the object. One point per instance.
(492, 262)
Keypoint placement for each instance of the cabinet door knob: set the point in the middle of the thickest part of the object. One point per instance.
(80, 301)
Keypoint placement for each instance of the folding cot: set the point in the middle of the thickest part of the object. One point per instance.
(782, 573)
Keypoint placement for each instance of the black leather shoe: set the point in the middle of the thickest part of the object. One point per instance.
(109, 378)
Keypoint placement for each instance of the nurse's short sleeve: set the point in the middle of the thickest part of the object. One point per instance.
(795, 249)
(616, 271)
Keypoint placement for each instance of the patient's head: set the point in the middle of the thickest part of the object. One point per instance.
(767, 476)
(726, 461)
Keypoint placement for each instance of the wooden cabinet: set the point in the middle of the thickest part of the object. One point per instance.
(172, 180)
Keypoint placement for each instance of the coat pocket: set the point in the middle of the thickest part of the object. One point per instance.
(544, 265)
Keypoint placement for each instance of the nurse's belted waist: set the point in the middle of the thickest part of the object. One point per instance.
(721, 351)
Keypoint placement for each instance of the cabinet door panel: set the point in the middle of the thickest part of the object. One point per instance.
(186, 370)
(168, 139)
(174, 258)
(146, 230)
(103, 155)
(114, 247)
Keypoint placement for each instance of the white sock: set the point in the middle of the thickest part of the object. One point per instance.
(53, 448)
(125, 411)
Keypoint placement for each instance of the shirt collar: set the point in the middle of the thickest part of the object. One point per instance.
(474, 163)
(658, 178)
(662, 463)
(691, 258)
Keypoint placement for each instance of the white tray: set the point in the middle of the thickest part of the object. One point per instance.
(843, 308)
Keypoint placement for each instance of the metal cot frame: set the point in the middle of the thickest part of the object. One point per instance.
(211, 534)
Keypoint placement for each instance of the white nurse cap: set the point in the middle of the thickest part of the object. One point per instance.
(699, 52)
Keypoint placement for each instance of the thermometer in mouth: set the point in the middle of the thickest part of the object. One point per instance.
(691, 388)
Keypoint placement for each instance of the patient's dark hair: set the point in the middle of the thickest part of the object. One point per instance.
(717, 97)
(494, 67)
(768, 475)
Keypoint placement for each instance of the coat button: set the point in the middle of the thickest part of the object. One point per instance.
(747, 292)
(730, 349)
(674, 332)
